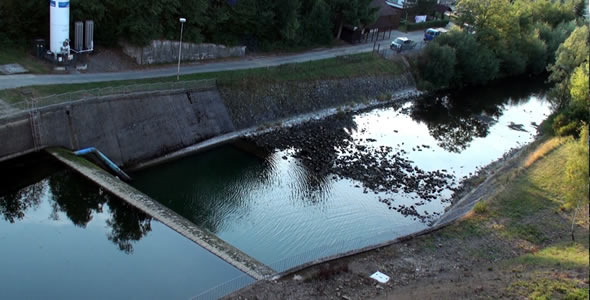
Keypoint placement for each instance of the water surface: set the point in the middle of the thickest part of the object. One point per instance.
(62, 237)
(290, 204)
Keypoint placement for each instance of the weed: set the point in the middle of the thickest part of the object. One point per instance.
(546, 148)
(481, 207)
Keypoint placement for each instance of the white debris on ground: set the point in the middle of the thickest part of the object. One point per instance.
(12, 69)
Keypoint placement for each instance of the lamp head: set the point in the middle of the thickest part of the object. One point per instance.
(182, 20)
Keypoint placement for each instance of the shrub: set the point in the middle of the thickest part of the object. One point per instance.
(563, 125)
(476, 64)
(481, 207)
(577, 171)
(438, 64)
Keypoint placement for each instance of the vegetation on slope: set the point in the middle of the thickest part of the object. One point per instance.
(352, 66)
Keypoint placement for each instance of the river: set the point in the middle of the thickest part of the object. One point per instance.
(348, 181)
(284, 198)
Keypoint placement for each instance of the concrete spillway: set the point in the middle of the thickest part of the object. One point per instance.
(163, 214)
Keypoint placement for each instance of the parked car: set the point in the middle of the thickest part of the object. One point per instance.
(431, 33)
(402, 43)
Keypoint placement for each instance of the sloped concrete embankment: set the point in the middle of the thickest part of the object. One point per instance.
(259, 104)
(127, 128)
(140, 127)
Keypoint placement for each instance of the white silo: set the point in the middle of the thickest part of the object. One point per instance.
(59, 26)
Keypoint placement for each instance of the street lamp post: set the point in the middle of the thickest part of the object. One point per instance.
(182, 20)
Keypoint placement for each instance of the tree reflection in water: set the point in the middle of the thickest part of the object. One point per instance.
(14, 204)
(455, 119)
(455, 126)
(79, 200)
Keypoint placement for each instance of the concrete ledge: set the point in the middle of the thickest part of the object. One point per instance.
(205, 239)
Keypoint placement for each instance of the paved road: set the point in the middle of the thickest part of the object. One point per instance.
(14, 81)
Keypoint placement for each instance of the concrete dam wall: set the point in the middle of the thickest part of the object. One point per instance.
(127, 128)
(139, 127)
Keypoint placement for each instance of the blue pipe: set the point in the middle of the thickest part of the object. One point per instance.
(105, 159)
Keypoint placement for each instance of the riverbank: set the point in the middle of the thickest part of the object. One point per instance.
(515, 244)
(341, 67)
(249, 98)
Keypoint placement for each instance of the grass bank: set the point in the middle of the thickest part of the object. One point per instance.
(352, 66)
(521, 235)
(516, 244)
(10, 55)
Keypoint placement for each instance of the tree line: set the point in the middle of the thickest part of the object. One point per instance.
(502, 38)
(259, 24)
(499, 38)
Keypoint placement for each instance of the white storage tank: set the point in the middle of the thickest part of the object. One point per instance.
(59, 26)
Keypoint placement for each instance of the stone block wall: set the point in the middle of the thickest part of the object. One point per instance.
(165, 51)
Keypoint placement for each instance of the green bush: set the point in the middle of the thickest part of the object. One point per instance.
(438, 65)
(563, 125)
(475, 63)
(577, 171)
(481, 207)
(570, 128)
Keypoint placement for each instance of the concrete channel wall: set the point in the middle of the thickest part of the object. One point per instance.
(127, 128)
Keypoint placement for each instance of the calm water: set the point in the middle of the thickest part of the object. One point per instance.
(62, 237)
(283, 208)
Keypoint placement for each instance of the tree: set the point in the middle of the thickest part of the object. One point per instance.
(553, 37)
(216, 27)
(353, 12)
(536, 51)
(287, 12)
(317, 27)
(569, 56)
(425, 7)
(439, 64)
(580, 88)
(254, 22)
(475, 63)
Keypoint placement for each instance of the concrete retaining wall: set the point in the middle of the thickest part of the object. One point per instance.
(252, 105)
(127, 128)
(164, 51)
(134, 128)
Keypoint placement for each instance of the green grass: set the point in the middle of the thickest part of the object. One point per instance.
(358, 65)
(471, 227)
(528, 232)
(544, 288)
(10, 55)
(568, 255)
